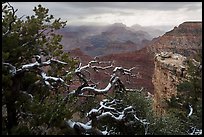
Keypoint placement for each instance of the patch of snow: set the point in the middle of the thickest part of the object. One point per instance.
(84, 126)
(105, 132)
(105, 90)
(30, 65)
(47, 83)
(58, 61)
(195, 131)
(117, 68)
(70, 123)
(191, 111)
(47, 62)
(45, 77)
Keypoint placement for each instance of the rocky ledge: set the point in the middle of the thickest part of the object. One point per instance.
(170, 70)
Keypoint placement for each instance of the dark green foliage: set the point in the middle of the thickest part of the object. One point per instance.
(164, 125)
(138, 100)
(185, 86)
(189, 93)
(29, 106)
(169, 124)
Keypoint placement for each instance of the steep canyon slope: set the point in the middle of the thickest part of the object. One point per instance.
(186, 39)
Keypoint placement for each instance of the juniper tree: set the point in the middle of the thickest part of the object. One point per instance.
(33, 68)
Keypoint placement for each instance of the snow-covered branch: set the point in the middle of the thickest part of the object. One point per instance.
(58, 61)
(114, 79)
(12, 69)
(36, 65)
(46, 78)
(86, 126)
(191, 111)
(108, 108)
(31, 65)
(195, 131)
(97, 91)
(94, 67)
(85, 129)
(123, 70)
(49, 78)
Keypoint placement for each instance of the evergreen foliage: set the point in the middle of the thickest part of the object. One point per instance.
(189, 96)
(33, 106)
(29, 106)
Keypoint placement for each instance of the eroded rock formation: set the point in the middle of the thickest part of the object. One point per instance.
(170, 70)
(186, 39)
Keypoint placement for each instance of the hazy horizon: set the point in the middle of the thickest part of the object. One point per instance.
(161, 15)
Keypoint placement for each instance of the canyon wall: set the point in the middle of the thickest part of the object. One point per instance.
(170, 70)
(186, 39)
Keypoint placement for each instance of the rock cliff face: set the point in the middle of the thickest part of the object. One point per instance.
(170, 70)
(144, 64)
(186, 39)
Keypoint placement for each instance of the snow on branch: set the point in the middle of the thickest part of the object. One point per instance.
(46, 78)
(31, 65)
(106, 109)
(12, 68)
(85, 129)
(81, 68)
(58, 61)
(114, 80)
(191, 111)
(97, 91)
(48, 62)
(195, 131)
(36, 64)
(119, 116)
(84, 126)
(39, 64)
(94, 67)
(123, 70)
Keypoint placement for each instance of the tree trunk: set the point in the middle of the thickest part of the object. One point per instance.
(11, 106)
(11, 116)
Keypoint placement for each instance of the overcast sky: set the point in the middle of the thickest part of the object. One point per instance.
(166, 14)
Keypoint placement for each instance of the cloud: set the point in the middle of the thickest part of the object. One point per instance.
(133, 5)
(143, 13)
